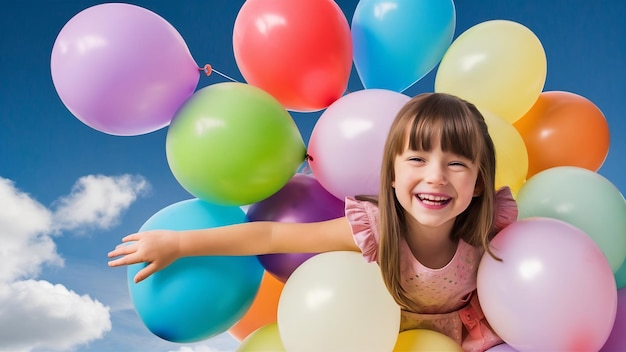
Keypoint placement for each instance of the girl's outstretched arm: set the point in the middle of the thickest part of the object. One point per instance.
(159, 248)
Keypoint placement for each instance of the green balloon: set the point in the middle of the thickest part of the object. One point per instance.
(582, 198)
(233, 144)
(620, 276)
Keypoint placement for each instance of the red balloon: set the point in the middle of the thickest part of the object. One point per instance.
(298, 51)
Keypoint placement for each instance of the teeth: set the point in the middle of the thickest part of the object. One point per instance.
(431, 198)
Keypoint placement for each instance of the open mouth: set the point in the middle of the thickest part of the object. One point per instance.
(433, 200)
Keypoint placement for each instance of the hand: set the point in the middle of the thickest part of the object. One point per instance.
(158, 248)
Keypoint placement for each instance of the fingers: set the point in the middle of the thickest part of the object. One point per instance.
(123, 249)
(145, 273)
(126, 252)
(127, 246)
(132, 237)
(132, 250)
(127, 260)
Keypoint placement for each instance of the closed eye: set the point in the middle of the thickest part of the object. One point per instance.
(416, 159)
(457, 163)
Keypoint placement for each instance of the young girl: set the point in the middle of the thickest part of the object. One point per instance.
(428, 228)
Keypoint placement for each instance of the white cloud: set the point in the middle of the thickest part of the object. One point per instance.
(200, 348)
(36, 313)
(98, 201)
(221, 343)
(40, 314)
(25, 229)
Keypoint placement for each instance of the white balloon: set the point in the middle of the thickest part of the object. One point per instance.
(336, 301)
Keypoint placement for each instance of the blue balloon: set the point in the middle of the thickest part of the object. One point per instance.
(397, 42)
(195, 298)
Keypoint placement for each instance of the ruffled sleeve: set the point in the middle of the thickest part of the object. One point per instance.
(506, 210)
(363, 218)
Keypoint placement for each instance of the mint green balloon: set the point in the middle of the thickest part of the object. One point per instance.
(582, 198)
(233, 144)
(620, 276)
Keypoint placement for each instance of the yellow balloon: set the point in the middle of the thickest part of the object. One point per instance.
(422, 340)
(498, 65)
(265, 338)
(511, 152)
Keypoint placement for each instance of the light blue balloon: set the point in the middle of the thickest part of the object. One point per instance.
(195, 298)
(397, 42)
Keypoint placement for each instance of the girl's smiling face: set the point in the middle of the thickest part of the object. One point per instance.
(434, 186)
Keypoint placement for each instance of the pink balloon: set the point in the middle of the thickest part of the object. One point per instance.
(122, 69)
(301, 200)
(346, 144)
(617, 339)
(503, 347)
(553, 291)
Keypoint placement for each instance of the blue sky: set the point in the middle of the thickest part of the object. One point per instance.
(68, 193)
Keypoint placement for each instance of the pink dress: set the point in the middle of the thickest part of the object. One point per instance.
(446, 297)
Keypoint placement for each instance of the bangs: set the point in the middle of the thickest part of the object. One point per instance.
(458, 133)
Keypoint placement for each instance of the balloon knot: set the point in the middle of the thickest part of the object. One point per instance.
(207, 69)
(307, 168)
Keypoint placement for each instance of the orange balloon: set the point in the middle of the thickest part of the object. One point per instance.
(263, 310)
(564, 129)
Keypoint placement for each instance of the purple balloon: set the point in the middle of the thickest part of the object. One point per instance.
(122, 69)
(301, 200)
(617, 338)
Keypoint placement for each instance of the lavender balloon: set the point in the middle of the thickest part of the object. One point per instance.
(122, 69)
(301, 200)
(347, 142)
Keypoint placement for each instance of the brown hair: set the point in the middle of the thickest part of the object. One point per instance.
(462, 130)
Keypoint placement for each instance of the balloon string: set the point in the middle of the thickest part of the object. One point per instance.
(225, 76)
(208, 70)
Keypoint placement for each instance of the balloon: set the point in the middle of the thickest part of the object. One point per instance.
(336, 301)
(298, 51)
(511, 154)
(195, 298)
(302, 199)
(347, 142)
(617, 338)
(503, 347)
(263, 339)
(233, 144)
(620, 276)
(498, 65)
(564, 129)
(122, 69)
(263, 309)
(398, 42)
(581, 198)
(421, 340)
(552, 291)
